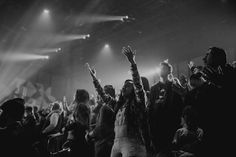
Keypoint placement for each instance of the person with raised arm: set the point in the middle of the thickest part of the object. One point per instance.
(103, 133)
(129, 110)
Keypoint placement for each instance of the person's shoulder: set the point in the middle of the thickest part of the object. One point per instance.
(156, 85)
(55, 115)
(199, 131)
(182, 129)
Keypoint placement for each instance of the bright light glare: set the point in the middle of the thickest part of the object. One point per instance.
(59, 49)
(98, 18)
(46, 11)
(106, 51)
(158, 70)
(46, 57)
(72, 37)
(18, 57)
(106, 46)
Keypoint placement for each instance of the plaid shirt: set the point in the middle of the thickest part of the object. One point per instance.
(137, 110)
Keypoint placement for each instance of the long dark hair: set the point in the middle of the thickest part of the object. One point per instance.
(128, 101)
(81, 96)
(82, 112)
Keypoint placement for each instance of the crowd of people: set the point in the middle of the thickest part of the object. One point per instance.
(176, 117)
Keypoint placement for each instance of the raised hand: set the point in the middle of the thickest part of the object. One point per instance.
(129, 53)
(191, 64)
(64, 99)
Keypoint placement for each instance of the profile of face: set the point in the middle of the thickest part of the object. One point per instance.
(127, 88)
(208, 59)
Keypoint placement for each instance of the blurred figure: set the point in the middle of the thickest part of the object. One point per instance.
(29, 125)
(217, 89)
(234, 64)
(165, 111)
(12, 140)
(79, 126)
(187, 140)
(183, 81)
(103, 133)
(53, 122)
(29, 118)
(129, 112)
(52, 125)
(216, 69)
(196, 81)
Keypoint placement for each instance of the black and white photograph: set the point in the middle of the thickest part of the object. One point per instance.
(117, 78)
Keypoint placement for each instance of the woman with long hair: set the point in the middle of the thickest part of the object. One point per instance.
(129, 111)
(79, 126)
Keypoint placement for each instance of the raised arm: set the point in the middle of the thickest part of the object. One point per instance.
(65, 105)
(139, 92)
(105, 97)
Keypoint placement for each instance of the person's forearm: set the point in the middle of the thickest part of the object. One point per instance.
(105, 98)
(137, 83)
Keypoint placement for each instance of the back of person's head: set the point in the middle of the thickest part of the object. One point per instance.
(29, 109)
(81, 96)
(14, 108)
(196, 80)
(216, 57)
(56, 106)
(82, 114)
(35, 109)
(109, 89)
(190, 117)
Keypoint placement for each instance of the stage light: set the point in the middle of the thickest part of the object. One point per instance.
(107, 46)
(46, 11)
(123, 18)
(59, 49)
(86, 36)
(45, 57)
(106, 51)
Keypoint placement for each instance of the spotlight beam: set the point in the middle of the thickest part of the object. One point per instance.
(64, 38)
(15, 57)
(47, 50)
(99, 18)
